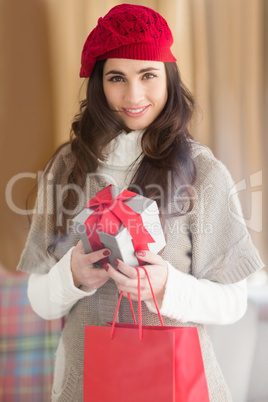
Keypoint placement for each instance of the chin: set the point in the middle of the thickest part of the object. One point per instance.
(137, 126)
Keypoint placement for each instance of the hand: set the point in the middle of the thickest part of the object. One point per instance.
(84, 273)
(126, 276)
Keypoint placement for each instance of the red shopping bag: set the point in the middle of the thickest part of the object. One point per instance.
(135, 363)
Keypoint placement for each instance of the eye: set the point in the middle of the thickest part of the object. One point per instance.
(116, 78)
(148, 76)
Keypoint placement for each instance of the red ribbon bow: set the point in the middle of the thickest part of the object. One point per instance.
(108, 215)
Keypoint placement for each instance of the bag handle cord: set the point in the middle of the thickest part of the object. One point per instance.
(139, 304)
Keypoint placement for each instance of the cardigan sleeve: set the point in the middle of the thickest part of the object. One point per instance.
(52, 295)
(188, 299)
(36, 257)
(222, 250)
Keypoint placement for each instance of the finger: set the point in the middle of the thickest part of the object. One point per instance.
(102, 275)
(127, 270)
(99, 278)
(79, 247)
(133, 297)
(96, 256)
(128, 285)
(121, 279)
(151, 258)
(133, 287)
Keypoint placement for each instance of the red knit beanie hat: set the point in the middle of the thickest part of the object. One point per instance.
(129, 32)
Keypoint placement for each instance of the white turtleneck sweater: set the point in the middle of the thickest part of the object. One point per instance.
(186, 298)
(122, 157)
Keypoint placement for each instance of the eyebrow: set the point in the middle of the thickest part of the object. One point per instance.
(144, 70)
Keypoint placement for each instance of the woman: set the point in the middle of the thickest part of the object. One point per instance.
(132, 131)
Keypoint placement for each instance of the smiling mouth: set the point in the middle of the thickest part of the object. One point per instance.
(136, 112)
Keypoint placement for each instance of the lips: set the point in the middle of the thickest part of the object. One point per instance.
(135, 111)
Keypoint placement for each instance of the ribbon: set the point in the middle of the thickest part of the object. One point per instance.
(108, 215)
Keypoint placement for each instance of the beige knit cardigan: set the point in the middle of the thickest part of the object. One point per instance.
(210, 242)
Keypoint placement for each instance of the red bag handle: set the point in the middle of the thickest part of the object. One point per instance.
(139, 304)
(154, 298)
(131, 307)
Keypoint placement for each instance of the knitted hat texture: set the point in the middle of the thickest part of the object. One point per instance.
(130, 32)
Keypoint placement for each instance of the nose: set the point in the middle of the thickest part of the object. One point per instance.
(134, 93)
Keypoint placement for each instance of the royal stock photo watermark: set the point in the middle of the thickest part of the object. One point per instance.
(46, 188)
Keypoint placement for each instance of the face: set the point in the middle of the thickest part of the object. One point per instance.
(136, 89)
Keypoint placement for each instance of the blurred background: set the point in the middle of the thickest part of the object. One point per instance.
(221, 48)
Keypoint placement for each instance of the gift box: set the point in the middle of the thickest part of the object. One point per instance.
(121, 221)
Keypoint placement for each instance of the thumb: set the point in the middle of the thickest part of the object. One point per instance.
(98, 255)
(148, 256)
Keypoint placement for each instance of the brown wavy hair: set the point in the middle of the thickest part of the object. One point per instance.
(165, 142)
